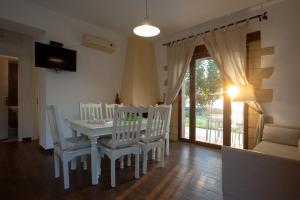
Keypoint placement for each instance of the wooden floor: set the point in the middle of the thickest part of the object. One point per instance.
(191, 172)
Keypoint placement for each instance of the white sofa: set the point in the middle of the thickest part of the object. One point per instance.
(270, 171)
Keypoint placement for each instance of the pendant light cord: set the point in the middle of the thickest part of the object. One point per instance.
(146, 9)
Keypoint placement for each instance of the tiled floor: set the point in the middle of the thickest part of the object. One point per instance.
(191, 172)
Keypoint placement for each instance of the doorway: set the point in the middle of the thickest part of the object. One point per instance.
(8, 99)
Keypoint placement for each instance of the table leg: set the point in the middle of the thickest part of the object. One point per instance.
(94, 161)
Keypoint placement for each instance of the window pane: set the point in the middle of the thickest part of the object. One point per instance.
(237, 124)
(186, 106)
(209, 102)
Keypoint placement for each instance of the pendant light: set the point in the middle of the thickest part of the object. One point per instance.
(146, 30)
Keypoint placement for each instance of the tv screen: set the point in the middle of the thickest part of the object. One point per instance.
(52, 57)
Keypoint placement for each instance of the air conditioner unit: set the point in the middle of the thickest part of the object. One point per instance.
(97, 43)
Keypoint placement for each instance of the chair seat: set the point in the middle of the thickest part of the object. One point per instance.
(144, 139)
(107, 142)
(74, 143)
(76, 139)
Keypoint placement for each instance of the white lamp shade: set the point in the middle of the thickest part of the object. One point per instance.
(146, 30)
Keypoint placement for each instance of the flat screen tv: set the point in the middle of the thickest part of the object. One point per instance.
(53, 57)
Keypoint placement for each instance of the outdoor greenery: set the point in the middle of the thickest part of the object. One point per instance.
(201, 121)
(209, 88)
(209, 84)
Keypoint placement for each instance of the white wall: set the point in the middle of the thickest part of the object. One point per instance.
(282, 31)
(3, 95)
(98, 75)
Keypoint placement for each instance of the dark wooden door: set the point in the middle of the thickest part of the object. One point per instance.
(12, 94)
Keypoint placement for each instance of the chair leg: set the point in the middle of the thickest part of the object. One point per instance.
(145, 158)
(129, 160)
(56, 166)
(122, 162)
(153, 153)
(168, 144)
(158, 153)
(137, 166)
(234, 141)
(215, 135)
(99, 163)
(162, 156)
(74, 164)
(83, 160)
(112, 172)
(66, 173)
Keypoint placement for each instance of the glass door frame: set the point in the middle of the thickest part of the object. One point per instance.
(201, 52)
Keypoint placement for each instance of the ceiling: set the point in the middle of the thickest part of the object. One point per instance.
(169, 15)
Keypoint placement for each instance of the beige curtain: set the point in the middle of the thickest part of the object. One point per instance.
(228, 49)
(179, 56)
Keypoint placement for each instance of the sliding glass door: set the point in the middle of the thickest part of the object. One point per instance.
(202, 108)
(185, 106)
(208, 102)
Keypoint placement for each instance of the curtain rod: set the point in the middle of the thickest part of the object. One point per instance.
(260, 17)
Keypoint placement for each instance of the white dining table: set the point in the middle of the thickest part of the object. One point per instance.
(93, 132)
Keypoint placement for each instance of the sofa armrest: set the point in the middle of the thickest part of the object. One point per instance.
(251, 175)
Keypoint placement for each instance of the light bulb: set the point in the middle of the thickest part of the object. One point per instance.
(233, 91)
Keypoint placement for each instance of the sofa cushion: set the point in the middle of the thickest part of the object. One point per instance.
(280, 150)
(299, 145)
(280, 135)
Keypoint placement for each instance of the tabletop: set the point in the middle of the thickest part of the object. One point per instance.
(96, 130)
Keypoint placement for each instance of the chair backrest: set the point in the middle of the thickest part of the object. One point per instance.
(87, 110)
(56, 126)
(157, 123)
(109, 111)
(126, 126)
(169, 107)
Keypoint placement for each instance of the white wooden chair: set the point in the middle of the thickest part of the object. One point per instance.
(237, 135)
(109, 111)
(155, 133)
(88, 111)
(125, 138)
(167, 137)
(215, 124)
(109, 115)
(65, 150)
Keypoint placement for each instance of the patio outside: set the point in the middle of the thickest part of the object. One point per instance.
(210, 129)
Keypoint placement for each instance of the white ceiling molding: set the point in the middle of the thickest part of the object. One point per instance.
(170, 15)
(21, 28)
